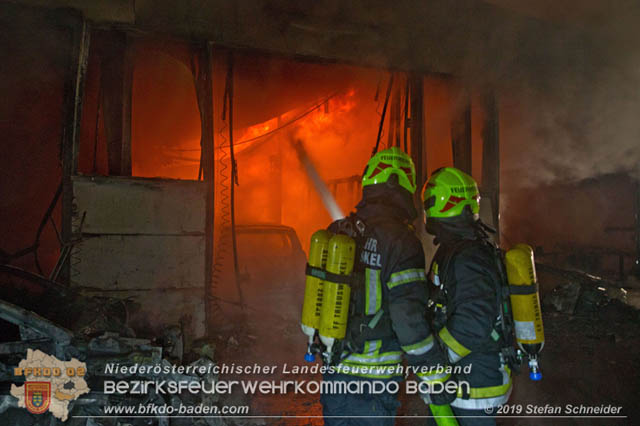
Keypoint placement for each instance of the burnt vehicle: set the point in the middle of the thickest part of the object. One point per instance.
(95, 331)
(271, 267)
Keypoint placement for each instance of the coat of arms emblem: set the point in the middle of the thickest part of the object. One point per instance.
(37, 396)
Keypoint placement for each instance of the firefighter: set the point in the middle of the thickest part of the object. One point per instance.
(465, 284)
(388, 299)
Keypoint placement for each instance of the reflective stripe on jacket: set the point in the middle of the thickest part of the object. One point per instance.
(392, 259)
(471, 280)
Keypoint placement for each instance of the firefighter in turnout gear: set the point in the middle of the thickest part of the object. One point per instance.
(465, 285)
(388, 297)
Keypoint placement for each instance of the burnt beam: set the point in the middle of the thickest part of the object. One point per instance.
(203, 75)
(79, 30)
(116, 79)
(416, 91)
(490, 186)
(461, 135)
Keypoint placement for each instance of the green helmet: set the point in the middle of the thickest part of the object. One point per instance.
(448, 191)
(388, 162)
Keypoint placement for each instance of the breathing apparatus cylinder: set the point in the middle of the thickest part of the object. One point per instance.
(312, 303)
(525, 304)
(336, 295)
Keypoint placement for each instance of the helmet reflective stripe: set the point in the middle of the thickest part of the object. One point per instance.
(448, 191)
(452, 202)
(388, 162)
(379, 168)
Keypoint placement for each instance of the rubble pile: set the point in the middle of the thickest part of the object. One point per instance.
(588, 310)
(96, 331)
(579, 293)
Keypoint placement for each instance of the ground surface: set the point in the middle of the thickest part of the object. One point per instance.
(589, 358)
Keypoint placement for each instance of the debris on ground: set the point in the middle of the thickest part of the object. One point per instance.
(576, 292)
(97, 332)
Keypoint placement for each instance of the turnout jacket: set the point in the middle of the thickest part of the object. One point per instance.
(465, 281)
(395, 288)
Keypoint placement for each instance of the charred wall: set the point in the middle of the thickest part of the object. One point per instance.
(36, 48)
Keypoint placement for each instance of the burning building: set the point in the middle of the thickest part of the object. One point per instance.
(153, 170)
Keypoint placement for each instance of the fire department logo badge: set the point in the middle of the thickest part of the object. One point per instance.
(37, 396)
(48, 384)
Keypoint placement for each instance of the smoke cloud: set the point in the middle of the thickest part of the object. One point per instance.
(577, 118)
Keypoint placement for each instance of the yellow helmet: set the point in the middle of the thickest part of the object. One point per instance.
(448, 191)
(389, 162)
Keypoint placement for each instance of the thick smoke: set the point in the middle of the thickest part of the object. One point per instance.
(575, 118)
(569, 134)
(584, 126)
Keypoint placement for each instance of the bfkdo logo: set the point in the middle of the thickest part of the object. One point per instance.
(48, 384)
(37, 396)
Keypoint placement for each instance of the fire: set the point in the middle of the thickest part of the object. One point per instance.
(273, 186)
(258, 130)
(332, 109)
(335, 113)
(317, 118)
